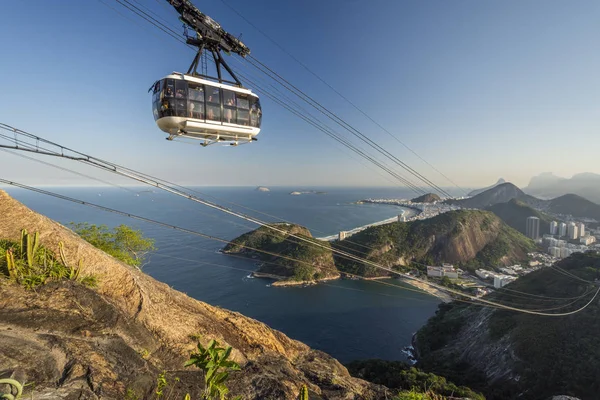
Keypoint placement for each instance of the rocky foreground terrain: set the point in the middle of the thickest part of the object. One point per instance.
(112, 342)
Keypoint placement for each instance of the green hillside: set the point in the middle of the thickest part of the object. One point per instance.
(314, 262)
(467, 237)
(515, 212)
(508, 354)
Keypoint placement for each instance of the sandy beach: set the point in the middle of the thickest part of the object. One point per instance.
(407, 212)
(445, 297)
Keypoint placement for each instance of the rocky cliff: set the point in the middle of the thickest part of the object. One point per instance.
(73, 342)
(508, 354)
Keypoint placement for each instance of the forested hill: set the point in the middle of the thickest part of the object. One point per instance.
(498, 194)
(577, 206)
(507, 354)
(469, 238)
(427, 198)
(515, 212)
(287, 251)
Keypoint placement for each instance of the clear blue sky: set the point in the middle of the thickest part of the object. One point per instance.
(480, 89)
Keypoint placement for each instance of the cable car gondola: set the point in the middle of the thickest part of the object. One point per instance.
(201, 107)
(189, 106)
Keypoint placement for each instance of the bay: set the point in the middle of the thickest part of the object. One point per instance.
(345, 318)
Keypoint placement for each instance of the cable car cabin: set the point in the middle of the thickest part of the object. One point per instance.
(189, 106)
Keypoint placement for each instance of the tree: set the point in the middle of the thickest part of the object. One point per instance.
(123, 242)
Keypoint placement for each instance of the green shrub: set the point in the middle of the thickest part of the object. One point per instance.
(123, 242)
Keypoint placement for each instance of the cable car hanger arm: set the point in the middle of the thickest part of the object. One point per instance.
(210, 33)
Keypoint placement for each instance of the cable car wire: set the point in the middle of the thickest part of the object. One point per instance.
(340, 94)
(263, 68)
(145, 179)
(485, 302)
(149, 180)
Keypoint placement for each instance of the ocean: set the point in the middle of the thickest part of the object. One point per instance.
(348, 319)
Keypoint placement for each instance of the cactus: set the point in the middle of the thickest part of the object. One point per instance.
(29, 246)
(33, 244)
(74, 272)
(61, 251)
(10, 262)
(11, 383)
(303, 393)
(23, 243)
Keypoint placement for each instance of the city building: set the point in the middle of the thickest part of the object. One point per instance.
(581, 229)
(449, 271)
(554, 251)
(342, 235)
(564, 252)
(562, 229)
(502, 280)
(401, 218)
(532, 229)
(445, 270)
(587, 240)
(482, 273)
(572, 231)
(553, 227)
(561, 243)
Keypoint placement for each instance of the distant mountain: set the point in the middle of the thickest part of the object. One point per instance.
(548, 185)
(577, 206)
(427, 198)
(498, 194)
(512, 355)
(477, 191)
(514, 213)
(569, 204)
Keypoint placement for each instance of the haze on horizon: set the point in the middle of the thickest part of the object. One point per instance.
(480, 90)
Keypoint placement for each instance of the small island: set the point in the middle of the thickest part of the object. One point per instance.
(298, 192)
(299, 263)
(263, 189)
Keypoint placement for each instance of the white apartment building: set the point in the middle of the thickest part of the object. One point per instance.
(562, 229)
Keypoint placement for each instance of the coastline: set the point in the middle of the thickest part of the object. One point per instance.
(279, 282)
(445, 297)
(408, 212)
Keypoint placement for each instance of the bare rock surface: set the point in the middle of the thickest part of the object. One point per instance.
(79, 343)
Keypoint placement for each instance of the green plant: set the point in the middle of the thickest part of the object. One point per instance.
(303, 393)
(32, 265)
(161, 383)
(213, 360)
(131, 394)
(122, 242)
(12, 384)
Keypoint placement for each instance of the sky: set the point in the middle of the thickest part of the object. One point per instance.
(480, 90)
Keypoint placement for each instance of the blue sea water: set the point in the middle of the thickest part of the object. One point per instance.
(348, 319)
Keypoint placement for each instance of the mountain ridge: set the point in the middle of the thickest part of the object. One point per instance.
(548, 185)
(477, 191)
